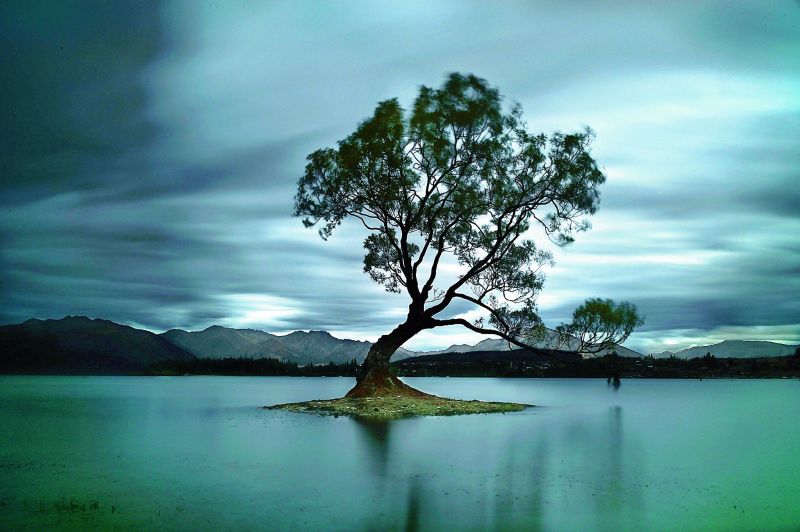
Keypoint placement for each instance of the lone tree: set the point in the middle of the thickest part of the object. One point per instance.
(460, 177)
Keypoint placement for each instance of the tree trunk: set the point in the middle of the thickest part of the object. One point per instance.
(373, 378)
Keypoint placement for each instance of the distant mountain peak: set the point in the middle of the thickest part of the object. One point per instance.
(311, 332)
(734, 349)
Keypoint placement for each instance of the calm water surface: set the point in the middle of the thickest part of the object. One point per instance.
(197, 453)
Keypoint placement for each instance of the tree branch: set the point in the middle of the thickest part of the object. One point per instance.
(482, 330)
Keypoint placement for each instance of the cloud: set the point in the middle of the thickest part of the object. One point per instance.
(152, 153)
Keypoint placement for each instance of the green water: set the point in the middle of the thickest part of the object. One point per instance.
(197, 453)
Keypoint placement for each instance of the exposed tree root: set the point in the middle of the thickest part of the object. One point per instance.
(382, 384)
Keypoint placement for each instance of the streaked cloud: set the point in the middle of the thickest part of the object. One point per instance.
(151, 153)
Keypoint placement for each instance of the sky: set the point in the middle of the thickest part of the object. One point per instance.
(150, 153)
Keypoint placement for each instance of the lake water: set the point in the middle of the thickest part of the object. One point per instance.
(197, 453)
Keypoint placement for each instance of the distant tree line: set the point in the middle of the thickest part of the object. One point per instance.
(250, 366)
(605, 366)
(500, 365)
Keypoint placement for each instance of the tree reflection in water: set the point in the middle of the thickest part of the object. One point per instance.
(428, 473)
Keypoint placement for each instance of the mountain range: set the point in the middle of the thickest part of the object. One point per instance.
(734, 349)
(320, 347)
(78, 344)
(498, 344)
(312, 347)
(81, 344)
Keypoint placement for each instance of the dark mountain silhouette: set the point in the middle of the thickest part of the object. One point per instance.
(78, 344)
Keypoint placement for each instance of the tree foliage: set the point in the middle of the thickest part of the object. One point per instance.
(456, 175)
(599, 324)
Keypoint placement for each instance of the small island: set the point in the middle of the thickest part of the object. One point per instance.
(398, 406)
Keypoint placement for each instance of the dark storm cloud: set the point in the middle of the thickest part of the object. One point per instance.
(151, 151)
(71, 96)
(243, 170)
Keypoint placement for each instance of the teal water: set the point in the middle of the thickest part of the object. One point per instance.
(194, 453)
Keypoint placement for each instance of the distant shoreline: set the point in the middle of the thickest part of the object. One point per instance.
(469, 365)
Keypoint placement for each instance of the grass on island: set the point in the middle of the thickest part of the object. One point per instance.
(395, 407)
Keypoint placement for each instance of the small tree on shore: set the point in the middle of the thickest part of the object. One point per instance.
(456, 176)
(598, 325)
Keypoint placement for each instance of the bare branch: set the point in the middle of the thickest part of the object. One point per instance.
(482, 330)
